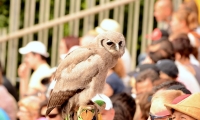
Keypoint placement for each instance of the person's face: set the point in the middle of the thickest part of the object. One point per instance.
(108, 114)
(144, 86)
(176, 25)
(161, 13)
(24, 114)
(62, 47)
(30, 59)
(181, 116)
(53, 115)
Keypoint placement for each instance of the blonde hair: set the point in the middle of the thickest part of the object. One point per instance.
(119, 68)
(189, 16)
(190, 4)
(161, 97)
(31, 103)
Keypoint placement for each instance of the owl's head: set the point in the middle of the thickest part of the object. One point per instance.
(113, 42)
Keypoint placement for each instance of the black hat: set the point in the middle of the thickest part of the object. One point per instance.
(168, 67)
(143, 67)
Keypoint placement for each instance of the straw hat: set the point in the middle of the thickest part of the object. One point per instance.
(187, 104)
(108, 25)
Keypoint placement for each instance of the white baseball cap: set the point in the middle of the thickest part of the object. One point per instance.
(36, 47)
(108, 25)
(104, 98)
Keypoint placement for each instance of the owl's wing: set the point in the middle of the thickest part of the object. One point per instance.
(73, 75)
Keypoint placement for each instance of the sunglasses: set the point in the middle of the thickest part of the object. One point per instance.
(50, 115)
(154, 117)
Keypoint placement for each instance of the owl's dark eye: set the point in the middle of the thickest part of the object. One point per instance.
(109, 43)
(120, 43)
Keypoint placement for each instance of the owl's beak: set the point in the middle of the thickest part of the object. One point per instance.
(117, 47)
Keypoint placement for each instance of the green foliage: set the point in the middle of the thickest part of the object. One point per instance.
(4, 13)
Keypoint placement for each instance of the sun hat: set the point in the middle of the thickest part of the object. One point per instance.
(105, 99)
(187, 104)
(108, 25)
(36, 47)
(159, 99)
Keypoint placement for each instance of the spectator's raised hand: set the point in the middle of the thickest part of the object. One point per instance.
(23, 71)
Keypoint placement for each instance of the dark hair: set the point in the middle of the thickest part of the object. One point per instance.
(71, 41)
(165, 50)
(182, 46)
(124, 106)
(145, 104)
(172, 85)
(41, 56)
(148, 73)
(1, 74)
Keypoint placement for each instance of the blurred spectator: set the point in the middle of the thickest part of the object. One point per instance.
(124, 106)
(158, 50)
(158, 34)
(6, 83)
(112, 25)
(143, 67)
(145, 80)
(35, 58)
(108, 113)
(171, 85)
(3, 115)
(185, 107)
(1, 76)
(119, 69)
(185, 21)
(162, 11)
(144, 101)
(191, 5)
(193, 52)
(188, 72)
(55, 114)
(114, 84)
(67, 45)
(138, 70)
(29, 108)
(8, 103)
(88, 38)
(159, 99)
(168, 69)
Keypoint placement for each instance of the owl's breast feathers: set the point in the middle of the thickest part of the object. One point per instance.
(75, 73)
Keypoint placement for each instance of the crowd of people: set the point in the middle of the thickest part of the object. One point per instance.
(164, 86)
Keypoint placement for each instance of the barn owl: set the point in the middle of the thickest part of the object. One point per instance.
(81, 75)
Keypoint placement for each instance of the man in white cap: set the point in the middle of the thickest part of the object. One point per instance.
(108, 113)
(35, 58)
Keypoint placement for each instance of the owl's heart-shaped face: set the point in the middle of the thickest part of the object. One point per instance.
(115, 47)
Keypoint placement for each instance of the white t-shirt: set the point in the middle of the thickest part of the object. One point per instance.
(187, 78)
(126, 58)
(37, 76)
